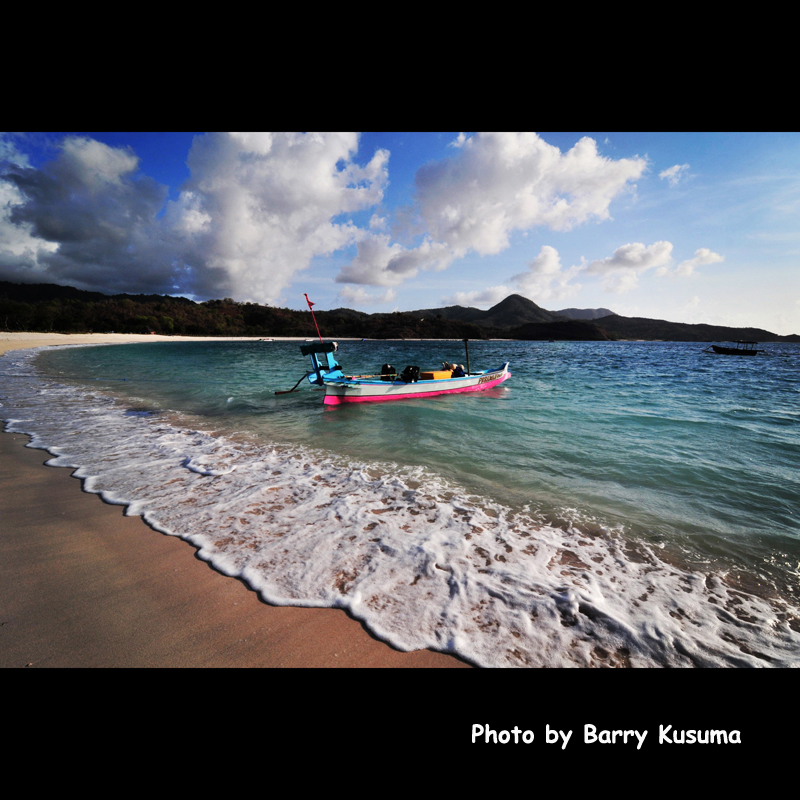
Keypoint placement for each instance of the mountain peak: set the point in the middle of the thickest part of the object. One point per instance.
(516, 310)
(514, 301)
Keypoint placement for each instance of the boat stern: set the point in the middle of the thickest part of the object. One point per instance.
(323, 362)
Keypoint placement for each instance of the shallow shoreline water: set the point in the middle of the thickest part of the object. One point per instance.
(84, 586)
(425, 559)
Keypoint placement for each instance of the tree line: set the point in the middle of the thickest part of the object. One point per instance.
(48, 308)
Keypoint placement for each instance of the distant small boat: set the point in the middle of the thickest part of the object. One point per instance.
(741, 349)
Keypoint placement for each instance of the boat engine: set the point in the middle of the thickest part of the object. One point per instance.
(410, 374)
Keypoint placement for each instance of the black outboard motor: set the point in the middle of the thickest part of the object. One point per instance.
(388, 373)
(410, 374)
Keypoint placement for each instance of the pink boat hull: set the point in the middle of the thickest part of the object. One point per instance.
(336, 395)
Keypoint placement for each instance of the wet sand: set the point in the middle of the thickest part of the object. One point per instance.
(81, 585)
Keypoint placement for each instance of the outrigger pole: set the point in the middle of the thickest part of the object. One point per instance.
(310, 304)
(289, 391)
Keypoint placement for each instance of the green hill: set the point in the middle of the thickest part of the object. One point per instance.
(64, 309)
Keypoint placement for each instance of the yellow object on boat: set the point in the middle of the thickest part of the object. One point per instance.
(436, 375)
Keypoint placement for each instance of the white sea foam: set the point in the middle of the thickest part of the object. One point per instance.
(423, 563)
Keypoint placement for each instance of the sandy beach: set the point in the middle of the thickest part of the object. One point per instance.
(81, 585)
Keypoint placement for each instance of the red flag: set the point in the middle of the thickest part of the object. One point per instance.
(309, 302)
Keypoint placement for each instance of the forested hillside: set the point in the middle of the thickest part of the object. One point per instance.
(64, 309)
(51, 308)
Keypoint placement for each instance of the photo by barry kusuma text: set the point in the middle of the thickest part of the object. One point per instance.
(592, 734)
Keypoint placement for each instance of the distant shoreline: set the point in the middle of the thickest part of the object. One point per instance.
(25, 341)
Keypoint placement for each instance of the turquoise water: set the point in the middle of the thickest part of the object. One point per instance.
(681, 463)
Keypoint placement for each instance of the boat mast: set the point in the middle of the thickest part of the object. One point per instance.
(310, 304)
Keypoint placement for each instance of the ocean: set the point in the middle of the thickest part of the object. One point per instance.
(611, 504)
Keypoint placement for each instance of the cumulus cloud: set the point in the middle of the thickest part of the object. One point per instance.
(482, 298)
(545, 279)
(271, 200)
(620, 271)
(359, 296)
(87, 218)
(495, 185)
(379, 262)
(632, 257)
(701, 256)
(256, 209)
(20, 248)
(674, 175)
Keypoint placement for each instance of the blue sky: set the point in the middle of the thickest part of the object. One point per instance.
(689, 227)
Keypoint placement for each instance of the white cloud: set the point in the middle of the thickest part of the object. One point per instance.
(701, 256)
(674, 175)
(271, 200)
(93, 166)
(632, 257)
(20, 248)
(378, 262)
(497, 184)
(620, 271)
(482, 298)
(257, 208)
(502, 182)
(358, 296)
(86, 221)
(546, 279)
(186, 217)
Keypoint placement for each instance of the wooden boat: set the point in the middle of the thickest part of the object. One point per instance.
(741, 349)
(388, 385)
